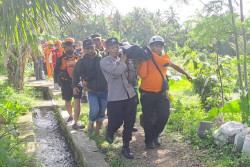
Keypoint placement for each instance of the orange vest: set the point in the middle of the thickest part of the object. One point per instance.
(68, 65)
(55, 54)
(151, 78)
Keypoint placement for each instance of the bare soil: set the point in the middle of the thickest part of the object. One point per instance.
(172, 152)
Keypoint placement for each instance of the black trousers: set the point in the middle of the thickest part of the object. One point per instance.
(122, 112)
(155, 108)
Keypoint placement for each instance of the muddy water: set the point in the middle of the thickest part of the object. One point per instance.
(52, 149)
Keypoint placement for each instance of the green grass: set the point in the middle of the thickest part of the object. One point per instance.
(186, 114)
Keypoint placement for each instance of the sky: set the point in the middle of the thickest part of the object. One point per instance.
(184, 11)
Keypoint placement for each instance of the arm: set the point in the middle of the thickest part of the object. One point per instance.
(57, 68)
(177, 68)
(143, 70)
(110, 67)
(76, 74)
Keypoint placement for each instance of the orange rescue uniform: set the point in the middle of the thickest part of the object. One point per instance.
(151, 77)
(46, 53)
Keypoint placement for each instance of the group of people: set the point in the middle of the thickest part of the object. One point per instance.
(100, 69)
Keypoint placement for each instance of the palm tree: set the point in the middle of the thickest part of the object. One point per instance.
(23, 21)
(171, 16)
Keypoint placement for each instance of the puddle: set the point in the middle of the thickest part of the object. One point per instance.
(52, 149)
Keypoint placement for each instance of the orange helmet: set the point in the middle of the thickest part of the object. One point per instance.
(58, 42)
(69, 40)
(50, 43)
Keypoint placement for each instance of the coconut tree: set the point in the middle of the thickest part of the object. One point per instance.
(23, 21)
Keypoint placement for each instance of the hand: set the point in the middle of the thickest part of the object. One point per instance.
(123, 57)
(76, 91)
(36, 61)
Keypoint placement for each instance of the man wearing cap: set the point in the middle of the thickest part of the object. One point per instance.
(88, 69)
(64, 71)
(97, 38)
(122, 99)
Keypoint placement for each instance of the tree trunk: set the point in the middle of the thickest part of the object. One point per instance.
(218, 68)
(236, 44)
(16, 66)
(244, 44)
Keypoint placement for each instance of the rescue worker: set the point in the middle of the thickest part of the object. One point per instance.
(153, 89)
(54, 55)
(47, 52)
(122, 99)
(88, 69)
(64, 69)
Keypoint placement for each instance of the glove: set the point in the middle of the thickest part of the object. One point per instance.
(56, 86)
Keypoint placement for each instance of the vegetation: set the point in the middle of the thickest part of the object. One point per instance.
(213, 47)
(13, 104)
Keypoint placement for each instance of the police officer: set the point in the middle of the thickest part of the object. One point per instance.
(122, 99)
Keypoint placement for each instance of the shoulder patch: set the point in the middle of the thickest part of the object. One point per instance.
(108, 61)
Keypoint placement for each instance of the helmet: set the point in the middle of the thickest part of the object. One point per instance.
(155, 39)
(58, 42)
(69, 40)
(50, 43)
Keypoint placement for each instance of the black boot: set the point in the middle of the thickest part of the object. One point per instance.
(157, 141)
(126, 151)
(150, 145)
(134, 129)
(109, 136)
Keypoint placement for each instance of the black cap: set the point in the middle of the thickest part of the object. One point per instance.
(96, 36)
(111, 41)
(88, 43)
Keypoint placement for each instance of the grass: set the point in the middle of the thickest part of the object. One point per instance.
(185, 117)
(13, 104)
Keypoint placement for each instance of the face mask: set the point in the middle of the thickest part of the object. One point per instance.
(69, 52)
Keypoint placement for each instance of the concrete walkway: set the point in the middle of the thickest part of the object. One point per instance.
(85, 150)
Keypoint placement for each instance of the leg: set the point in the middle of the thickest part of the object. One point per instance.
(36, 68)
(94, 110)
(77, 110)
(115, 116)
(162, 110)
(77, 105)
(69, 108)
(67, 93)
(40, 68)
(130, 109)
(148, 103)
(102, 98)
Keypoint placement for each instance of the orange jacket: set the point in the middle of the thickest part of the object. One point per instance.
(151, 77)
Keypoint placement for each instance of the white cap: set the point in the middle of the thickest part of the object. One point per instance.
(156, 39)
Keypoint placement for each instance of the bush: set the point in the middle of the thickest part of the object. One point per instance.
(12, 105)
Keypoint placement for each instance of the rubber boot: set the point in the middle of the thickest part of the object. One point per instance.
(98, 127)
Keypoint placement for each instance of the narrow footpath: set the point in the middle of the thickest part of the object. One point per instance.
(172, 153)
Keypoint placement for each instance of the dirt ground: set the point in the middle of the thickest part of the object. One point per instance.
(172, 152)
